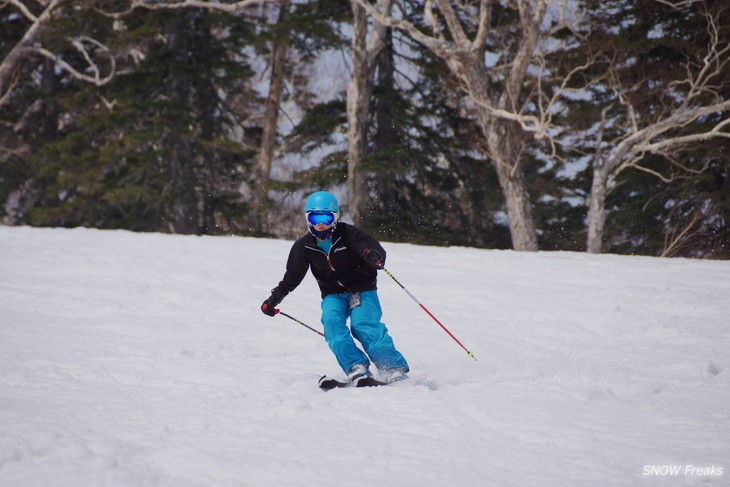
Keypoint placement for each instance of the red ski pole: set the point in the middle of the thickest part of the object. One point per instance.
(468, 353)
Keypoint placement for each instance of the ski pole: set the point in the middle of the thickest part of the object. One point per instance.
(300, 322)
(468, 353)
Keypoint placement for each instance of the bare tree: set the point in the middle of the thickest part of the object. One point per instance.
(511, 116)
(672, 130)
(30, 45)
(676, 239)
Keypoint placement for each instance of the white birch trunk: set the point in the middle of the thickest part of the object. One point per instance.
(273, 102)
(597, 210)
(359, 90)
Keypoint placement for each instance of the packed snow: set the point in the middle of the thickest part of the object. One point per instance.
(144, 360)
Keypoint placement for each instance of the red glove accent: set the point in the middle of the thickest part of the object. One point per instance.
(374, 258)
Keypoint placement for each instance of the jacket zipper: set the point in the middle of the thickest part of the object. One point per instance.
(329, 261)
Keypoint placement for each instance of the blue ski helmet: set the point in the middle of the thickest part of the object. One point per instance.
(322, 202)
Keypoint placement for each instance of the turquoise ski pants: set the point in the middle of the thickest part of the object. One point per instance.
(365, 327)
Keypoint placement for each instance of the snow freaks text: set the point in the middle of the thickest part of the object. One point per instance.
(682, 470)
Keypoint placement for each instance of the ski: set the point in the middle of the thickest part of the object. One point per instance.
(328, 383)
(365, 381)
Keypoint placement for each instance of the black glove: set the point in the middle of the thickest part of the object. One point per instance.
(269, 306)
(374, 258)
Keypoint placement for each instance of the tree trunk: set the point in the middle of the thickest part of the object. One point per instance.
(603, 171)
(207, 109)
(597, 210)
(261, 214)
(184, 198)
(384, 185)
(49, 85)
(359, 91)
(273, 103)
(358, 107)
(504, 140)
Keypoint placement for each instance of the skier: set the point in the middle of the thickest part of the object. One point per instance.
(345, 261)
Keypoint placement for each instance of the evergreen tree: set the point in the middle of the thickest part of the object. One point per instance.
(152, 150)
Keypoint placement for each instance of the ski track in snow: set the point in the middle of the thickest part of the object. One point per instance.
(143, 360)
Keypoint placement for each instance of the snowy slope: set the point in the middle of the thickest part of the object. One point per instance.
(143, 360)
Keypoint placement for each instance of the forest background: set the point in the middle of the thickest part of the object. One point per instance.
(525, 124)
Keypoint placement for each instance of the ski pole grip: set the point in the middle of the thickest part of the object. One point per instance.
(265, 307)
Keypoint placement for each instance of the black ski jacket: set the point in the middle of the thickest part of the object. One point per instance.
(342, 270)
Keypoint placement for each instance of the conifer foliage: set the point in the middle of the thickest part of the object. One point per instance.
(154, 117)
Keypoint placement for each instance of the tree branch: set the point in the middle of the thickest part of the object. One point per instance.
(377, 41)
(230, 8)
(674, 245)
(529, 123)
(639, 141)
(11, 62)
(677, 5)
(680, 141)
(439, 46)
(455, 28)
(96, 79)
(485, 19)
(23, 9)
(531, 20)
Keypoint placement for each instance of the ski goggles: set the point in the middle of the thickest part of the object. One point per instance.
(316, 217)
